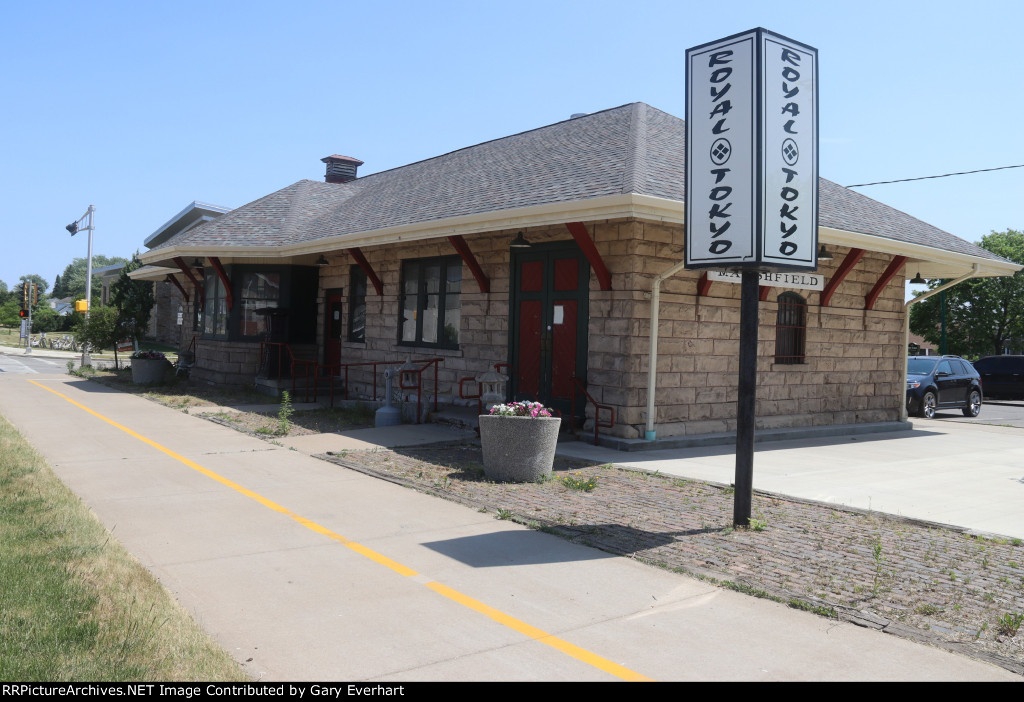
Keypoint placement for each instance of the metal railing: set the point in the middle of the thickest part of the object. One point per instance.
(409, 378)
(464, 395)
(294, 364)
(598, 407)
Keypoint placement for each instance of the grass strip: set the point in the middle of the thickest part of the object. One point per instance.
(75, 605)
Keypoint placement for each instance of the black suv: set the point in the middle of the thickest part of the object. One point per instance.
(939, 382)
(1002, 376)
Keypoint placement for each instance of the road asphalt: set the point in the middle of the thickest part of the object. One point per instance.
(304, 570)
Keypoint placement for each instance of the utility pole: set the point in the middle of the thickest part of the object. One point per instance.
(74, 228)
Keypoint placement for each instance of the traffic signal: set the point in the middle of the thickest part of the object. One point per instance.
(35, 294)
(23, 314)
(24, 294)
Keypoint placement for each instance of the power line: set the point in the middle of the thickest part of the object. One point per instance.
(944, 175)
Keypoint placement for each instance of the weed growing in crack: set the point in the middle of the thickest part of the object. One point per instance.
(284, 414)
(1009, 623)
(876, 555)
(575, 482)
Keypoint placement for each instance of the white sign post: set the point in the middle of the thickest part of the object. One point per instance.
(751, 186)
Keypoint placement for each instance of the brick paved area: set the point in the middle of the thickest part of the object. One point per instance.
(928, 582)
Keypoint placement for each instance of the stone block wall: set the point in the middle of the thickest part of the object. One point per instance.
(852, 369)
(483, 318)
(851, 372)
(226, 362)
(163, 322)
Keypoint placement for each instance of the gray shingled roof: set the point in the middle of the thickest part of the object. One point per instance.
(634, 148)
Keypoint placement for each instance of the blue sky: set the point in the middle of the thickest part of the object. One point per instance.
(142, 107)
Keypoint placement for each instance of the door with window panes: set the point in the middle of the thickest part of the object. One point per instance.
(549, 318)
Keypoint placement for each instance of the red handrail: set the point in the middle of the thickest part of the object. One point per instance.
(335, 369)
(418, 384)
(597, 409)
(304, 364)
(479, 391)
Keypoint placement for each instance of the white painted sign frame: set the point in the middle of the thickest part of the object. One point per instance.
(751, 153)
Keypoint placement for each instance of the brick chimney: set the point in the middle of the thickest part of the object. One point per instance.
(340, 169)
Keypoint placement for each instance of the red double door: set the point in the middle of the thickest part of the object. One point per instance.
(548, 330)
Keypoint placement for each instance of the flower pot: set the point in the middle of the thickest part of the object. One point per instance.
(518, 449)
(147, 370)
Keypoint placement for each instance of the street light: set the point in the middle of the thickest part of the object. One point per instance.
(74, 228)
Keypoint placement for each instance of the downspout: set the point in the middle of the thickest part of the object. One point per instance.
(906, 326)
(652, 356)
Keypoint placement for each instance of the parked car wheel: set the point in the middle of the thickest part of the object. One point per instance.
(973, 408)
(928, 404)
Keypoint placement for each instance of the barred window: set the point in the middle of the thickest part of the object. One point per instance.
(790, 329)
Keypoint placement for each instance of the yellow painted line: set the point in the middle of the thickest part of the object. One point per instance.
(498, 616)
(538, 635)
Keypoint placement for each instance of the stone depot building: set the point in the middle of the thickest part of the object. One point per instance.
(543, 252)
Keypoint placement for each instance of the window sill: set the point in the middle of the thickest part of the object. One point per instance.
(790, 366)
(425, 349)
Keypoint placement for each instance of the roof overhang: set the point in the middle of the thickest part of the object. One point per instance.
(929, 261)
(193, 215)
(552, 214)
(933, 262)
(152, 273)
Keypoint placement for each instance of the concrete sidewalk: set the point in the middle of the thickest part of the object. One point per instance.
(970, 475)
(306, 571)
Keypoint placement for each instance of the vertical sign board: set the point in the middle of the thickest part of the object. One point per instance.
(751, 153)
(721, 153)
(751, 186)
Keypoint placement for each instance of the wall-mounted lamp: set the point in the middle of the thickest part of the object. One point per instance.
(823, 254)
(321, 261)
(519, 242)
(197, 262)
(918, 280)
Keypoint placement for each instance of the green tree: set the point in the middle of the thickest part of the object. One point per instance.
(983, 315)
(38, 280)
(45, 319)
(133, 299)
(101, 330)
(9, 316)
(72, 280)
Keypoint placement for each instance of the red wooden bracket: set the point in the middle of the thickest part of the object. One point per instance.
(172, 279)
(586, 244)
(191, 276)
(470, 260)
(872, 297)
(840, 275)
(367, 269)
(703, 285)
(222, 274)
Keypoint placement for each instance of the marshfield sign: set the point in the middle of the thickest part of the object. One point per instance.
(796, 280)
(752, 153)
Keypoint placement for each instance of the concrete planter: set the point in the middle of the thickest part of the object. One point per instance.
(147, 370)
(518, 449)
